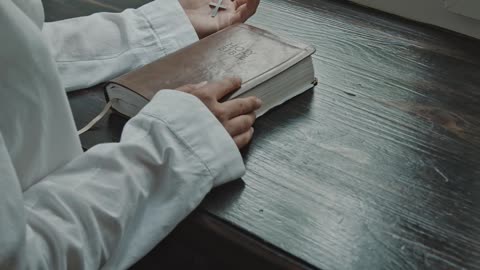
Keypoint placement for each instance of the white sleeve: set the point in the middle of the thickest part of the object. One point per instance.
(89, 50)
(111, 205)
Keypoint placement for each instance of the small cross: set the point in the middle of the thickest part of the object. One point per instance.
(216, 6)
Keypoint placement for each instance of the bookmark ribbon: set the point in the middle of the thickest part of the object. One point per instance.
(96, 119)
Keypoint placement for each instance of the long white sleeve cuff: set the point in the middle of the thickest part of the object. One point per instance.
(112, 204)
(205, 140)
(170, 24)
(208, 140)
(92, 49)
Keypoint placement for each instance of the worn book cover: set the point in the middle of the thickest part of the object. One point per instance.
(241, 50)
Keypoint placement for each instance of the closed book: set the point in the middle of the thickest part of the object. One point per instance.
(272, 68)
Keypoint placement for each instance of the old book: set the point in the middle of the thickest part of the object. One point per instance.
(272, 68)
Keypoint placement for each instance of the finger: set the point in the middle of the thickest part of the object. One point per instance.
(240, 124)
(252, 4)
(240, 15)
(241, 106)
(189, 88)
(245, 9)
(243, 139)
(202, 84)
(238, 3)
(224, 87)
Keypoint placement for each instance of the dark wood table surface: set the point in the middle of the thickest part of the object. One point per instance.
(377, 168)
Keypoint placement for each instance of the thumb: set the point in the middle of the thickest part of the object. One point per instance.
(189, 88)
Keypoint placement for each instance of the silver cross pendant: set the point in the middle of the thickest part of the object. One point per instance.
(216, 7)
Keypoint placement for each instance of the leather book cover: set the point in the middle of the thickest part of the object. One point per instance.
(241, 50)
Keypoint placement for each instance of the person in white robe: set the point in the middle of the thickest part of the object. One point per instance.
(62, 208)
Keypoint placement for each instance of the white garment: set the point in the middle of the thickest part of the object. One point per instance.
(61, 208)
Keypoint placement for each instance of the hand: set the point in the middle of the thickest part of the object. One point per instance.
(236, 115)
(198, 11)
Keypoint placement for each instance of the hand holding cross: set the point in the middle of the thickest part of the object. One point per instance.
(206, 18)
(216, 7)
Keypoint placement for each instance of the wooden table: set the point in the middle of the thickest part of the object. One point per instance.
(377, 168)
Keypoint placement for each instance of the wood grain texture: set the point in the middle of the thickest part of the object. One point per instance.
(378, 167)
(203, 241)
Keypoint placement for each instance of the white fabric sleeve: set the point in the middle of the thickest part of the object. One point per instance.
(92, 49)
(111, 205)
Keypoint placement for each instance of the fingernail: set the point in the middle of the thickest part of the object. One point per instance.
(259, 101)
(198, 85)
(252, 130)
(237, 79)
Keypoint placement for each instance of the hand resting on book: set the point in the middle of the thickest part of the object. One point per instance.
(236, 115)
(198, 11)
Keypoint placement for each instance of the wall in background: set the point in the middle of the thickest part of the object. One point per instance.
(462, 16)
(469, 8)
